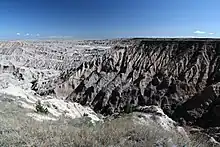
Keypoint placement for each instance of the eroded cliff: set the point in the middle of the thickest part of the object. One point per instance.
(179, 75)
(148, 72)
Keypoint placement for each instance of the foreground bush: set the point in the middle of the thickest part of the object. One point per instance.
(40, 109)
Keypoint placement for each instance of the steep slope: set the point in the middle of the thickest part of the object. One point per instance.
(162, 73)
(179, 75)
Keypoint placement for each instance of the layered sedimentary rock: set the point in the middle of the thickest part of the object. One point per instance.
(168, 73)
(179, 75)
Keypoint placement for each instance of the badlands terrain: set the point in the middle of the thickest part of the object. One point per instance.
(22, 63)
(139, 92)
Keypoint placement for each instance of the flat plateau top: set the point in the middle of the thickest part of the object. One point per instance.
(177, 39)
(124, 40)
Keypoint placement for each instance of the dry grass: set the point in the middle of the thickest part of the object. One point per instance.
(18, 130)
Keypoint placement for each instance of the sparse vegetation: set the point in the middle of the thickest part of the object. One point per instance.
(118, 132)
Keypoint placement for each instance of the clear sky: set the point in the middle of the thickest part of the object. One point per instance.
(108, 18)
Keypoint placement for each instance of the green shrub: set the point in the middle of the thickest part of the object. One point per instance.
(128, 108)
(40, 108)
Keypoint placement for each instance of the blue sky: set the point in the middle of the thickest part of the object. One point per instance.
(92, 19)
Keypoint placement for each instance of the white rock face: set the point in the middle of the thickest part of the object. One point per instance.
(156, 115)
(22, 62)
